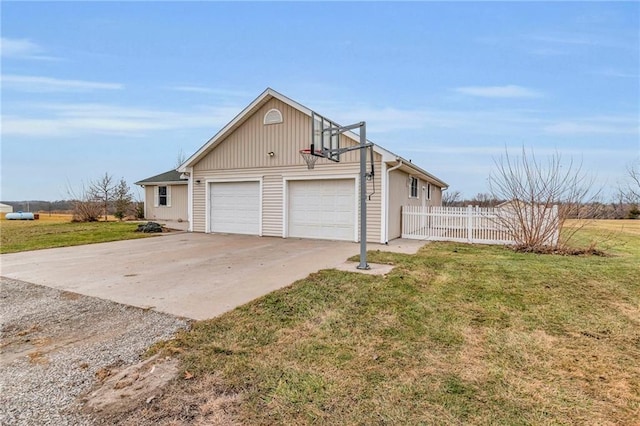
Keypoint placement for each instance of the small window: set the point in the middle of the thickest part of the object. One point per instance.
(428, 191)
(273, 116)
(162, 196)
(413, 184)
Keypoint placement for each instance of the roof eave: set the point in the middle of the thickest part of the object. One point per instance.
(165, 182)
(413, 168)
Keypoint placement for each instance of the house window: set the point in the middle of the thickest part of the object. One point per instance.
(273, 116)
(428, 191)
(413, 185)
(163, 196)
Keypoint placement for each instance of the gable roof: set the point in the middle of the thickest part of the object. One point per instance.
(172, 176)
(267, 95)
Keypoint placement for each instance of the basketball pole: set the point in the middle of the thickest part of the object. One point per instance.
(363, 196)
(337, 130)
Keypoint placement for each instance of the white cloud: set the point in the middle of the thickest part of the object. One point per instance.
(391, 119)
(582, 39)
(593, 126)
(26, 83)
(210, 91)
(509, 91)
(609, 72)
(22, 48)
(63, 120)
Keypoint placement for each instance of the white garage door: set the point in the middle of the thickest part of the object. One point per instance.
(234, 207)
(322, 209)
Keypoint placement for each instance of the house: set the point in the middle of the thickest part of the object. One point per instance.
(6, 208)
(249, 178)
(166, 197)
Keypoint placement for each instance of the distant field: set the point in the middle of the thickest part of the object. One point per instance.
(57, 230)
(626, 226)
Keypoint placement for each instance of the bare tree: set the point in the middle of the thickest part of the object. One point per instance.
(181, 158)
(541, 196)
(103, 190)
(632, 189)
(451, 198)
(122, 199)
(85, 207)
(483, 199)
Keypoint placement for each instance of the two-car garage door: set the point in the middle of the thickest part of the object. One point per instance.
(323, 209)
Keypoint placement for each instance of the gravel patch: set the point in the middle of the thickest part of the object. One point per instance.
(52, 344)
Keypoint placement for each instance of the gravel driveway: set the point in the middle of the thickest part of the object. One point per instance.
(53, 345)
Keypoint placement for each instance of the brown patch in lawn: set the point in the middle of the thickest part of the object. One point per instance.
(200, 401)
(628, 310)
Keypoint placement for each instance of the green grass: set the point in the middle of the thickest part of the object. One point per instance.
(16, 236)
(456, 334)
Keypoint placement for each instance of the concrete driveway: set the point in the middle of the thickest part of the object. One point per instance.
(192, 275)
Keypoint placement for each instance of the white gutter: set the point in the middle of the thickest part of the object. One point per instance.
(386, 195)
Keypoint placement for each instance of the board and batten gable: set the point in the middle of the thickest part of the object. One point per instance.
(243, 154)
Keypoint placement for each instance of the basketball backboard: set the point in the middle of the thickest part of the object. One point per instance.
(325, 138)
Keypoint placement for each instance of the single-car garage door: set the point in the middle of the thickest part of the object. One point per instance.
(234, 207)
(322, 209)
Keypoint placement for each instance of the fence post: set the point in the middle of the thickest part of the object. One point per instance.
(469, 223)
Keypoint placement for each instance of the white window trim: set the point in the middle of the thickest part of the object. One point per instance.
(417, 181)
(156, 196)
(275, 120)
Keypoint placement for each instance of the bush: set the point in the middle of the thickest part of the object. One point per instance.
(139, 210)
(86, 211)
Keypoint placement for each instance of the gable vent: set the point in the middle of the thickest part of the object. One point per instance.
(273, 116)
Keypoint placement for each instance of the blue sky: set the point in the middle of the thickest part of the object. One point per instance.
(123, 88)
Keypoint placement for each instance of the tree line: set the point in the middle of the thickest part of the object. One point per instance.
(624, 203)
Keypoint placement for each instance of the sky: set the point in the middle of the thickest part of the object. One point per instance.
(127, 88)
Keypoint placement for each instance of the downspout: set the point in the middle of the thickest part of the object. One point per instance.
(386, 207)
(189, 173)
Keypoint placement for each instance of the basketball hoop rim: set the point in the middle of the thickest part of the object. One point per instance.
(315, 153)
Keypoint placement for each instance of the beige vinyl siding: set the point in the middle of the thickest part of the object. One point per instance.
(248, 145)
(272, 204)
(178, 208)
(244, 155)
(399, 191)
(436, 196)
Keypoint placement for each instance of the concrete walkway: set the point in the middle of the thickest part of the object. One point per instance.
(192, 275)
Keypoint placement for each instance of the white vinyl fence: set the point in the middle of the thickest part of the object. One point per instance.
(469, 224)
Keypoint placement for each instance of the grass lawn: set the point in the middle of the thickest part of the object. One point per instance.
(456, 334)
(58, 231)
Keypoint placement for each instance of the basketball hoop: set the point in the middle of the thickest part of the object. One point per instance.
(310, 158)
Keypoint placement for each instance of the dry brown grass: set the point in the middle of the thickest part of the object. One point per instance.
(625, 226)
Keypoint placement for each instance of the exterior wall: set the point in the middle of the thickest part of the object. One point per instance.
(5, 208)
(399, 191)
(243, 155)
(179, 202)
